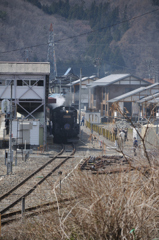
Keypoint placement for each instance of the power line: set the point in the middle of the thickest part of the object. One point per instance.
(115, 24)
(85, 33)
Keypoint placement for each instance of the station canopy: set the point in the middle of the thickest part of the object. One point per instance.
(139, 95)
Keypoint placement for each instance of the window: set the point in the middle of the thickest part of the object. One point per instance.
(33, 82)
(25, 82)
(30, 82)
(19, 82)
(40, 83)
(7, 82)
(22, 82)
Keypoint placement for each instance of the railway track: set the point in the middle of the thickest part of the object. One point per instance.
(112, 165)
(34, 211)
(17, 193)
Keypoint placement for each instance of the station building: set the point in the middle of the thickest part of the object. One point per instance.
(26, 86)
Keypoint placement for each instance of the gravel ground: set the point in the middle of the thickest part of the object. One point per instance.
(88, 145)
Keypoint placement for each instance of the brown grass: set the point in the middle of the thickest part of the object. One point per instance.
(123, 206)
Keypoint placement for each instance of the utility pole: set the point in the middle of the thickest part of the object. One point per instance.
(97, 65)
(10, 157)
(70, 91)
(51, 57)
(26, 52)
(80, 100)
(60, 87)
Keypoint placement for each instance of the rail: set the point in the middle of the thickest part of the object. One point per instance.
(33, 211)
(37, 184)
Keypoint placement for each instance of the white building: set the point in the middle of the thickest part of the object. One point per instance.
(26, 85)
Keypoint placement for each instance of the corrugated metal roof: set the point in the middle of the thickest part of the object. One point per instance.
(83, 79)
(135, 92)
(113, 78)
(126, 95)
(155, 100)
(146, 99)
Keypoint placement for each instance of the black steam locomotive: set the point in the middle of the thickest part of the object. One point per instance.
(65, 126)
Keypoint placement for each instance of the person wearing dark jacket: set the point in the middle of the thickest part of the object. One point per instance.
(126, 134)
(135, 145)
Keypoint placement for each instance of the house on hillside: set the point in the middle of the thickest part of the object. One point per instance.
(75, 90)
(109, 87)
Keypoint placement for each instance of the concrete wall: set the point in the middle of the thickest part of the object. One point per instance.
(26, 131)
(152, 135)
(92, 117)
(24, 67)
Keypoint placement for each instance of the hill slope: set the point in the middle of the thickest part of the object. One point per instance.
(23, 25)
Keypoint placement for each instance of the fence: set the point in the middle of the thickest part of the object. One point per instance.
(101, 131)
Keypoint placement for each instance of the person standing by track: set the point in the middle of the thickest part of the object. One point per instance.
(121, 140)
(82, 121)
(135, 145)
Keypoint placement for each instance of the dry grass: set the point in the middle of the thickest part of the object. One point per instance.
(123, 206)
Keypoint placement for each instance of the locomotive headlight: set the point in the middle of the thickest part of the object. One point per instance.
(67, 111)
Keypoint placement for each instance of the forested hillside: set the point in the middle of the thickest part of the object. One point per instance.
(116, 36)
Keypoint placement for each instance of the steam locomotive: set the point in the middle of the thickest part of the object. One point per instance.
(65, 126)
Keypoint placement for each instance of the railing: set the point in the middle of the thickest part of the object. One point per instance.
(101, 131)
